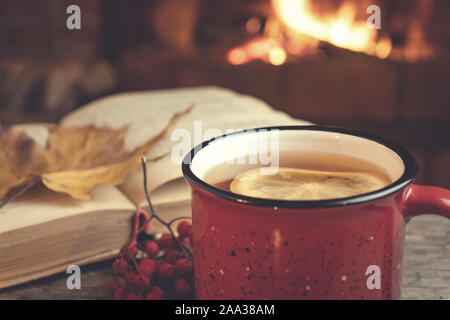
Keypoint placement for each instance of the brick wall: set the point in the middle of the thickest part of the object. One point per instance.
(46, 69)
(38, 29)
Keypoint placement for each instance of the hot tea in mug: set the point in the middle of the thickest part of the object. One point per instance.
(302, 176)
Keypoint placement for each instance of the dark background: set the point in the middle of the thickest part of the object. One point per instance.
(47, 70)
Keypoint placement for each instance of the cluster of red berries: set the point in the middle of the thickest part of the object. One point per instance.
(155, 268)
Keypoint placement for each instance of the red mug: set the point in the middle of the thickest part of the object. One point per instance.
(348, 248)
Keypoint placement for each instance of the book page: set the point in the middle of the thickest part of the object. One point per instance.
(39, 205)
(147, 113)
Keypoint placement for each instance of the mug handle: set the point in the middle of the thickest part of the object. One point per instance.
(427, 200)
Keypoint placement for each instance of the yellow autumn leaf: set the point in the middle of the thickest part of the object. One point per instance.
(75, 159)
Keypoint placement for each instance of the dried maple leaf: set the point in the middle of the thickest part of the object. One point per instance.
(74, 161)
(20, 159)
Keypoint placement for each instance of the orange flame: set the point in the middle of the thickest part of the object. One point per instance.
(341, 29)
(296, 30)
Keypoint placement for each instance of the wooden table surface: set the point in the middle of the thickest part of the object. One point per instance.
(426, 269)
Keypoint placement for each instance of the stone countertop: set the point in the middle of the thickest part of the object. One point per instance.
(426, 272)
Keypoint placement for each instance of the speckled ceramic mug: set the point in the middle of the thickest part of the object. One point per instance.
(349, 248)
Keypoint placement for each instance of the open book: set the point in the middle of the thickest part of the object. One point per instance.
(43, 232)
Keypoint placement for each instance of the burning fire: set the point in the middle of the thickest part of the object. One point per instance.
(297, 30)
(262, 48)
(341, 29)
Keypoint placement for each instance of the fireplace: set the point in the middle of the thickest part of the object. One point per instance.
(297, 28)
(316, 60)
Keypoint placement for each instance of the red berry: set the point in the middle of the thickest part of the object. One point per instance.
(166, 240)
(147, 226)
(140, 283)
(130, 252)
(152, 296)
(182, 287)
(166, 272)
(113, 285)
(157, 290)
(183, 267)
(187, 241)
(119, 293)
(120, 266)
(133, 296)
(151, 248)
(184, 228)
(129, 277)
(141, 220)
(171, 255)
(155, 294)
(147, 267)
